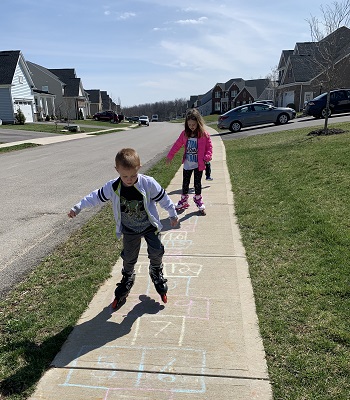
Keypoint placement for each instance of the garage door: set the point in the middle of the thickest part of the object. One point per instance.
(288, 98)
(26, 108)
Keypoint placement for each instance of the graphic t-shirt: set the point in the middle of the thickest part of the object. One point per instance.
(191, 156)
(133, 213)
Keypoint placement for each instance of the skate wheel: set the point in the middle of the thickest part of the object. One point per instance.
(117, 303)
(164, 298)
(202, 212)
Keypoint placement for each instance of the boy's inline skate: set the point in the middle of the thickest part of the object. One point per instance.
(183, 203)
(199, 203)
(156, 274)
(123, 289)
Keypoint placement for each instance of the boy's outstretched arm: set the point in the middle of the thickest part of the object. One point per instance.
(174, 221)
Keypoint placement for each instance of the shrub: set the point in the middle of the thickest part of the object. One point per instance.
(20, 117)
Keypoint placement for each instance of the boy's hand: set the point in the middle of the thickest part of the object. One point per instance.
(72, 214)
(174, 222)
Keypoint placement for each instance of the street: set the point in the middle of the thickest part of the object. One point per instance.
(40, 185)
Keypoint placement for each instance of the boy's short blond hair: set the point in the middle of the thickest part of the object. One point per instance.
(127, 158)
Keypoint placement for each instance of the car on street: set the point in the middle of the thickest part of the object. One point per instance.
(270, 102)
(339, 103)
(154, 118)
(144, 120)
(106, 116)
(254, 114)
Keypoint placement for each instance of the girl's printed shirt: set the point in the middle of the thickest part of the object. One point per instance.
(191, 154)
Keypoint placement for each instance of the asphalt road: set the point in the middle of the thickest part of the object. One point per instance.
(294, 124)
(39, 185)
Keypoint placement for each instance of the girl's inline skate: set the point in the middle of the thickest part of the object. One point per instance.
(123, 289)
(156, 274)
(183, 203)
(199, 203)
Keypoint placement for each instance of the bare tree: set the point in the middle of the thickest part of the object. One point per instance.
(329, 39)
(273, 83)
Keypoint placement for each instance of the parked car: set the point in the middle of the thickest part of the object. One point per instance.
(270, 102)
(154, 118)
(254, 114)
(106, 116)
(339, 103)
(143, 120)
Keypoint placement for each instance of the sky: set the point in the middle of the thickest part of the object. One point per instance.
(145, 51)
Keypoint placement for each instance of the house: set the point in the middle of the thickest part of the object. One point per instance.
(48, 90)
(16, 87)
(95, 99)
(225, 96)
(74, 103)
(314, 67)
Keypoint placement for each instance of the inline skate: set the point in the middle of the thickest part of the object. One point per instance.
(123, 289)
(156, 274)
(183, 203)
(199, 203)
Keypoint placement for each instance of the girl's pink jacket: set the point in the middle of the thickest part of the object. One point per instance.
(205, 149)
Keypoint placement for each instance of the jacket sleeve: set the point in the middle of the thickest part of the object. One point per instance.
(180, 141)
(208, 154)
(95, 198)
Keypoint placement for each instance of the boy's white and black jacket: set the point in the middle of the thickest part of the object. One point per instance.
(150, 189)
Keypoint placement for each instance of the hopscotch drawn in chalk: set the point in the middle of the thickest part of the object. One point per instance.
(148, 376)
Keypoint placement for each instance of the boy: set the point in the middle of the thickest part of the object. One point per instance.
(134, 197)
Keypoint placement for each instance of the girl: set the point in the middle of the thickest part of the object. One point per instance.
(197, 151)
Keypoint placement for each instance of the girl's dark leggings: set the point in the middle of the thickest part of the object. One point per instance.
(187, 173)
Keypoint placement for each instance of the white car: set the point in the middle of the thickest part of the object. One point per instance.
(143, 120)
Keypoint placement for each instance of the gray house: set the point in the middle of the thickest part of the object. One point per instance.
(74, 103)
(48, 90)
(303, 71)
(95, 99)
(16, 87)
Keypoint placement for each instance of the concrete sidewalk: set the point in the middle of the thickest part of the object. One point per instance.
(203, 344)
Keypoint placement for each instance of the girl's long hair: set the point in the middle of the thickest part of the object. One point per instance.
(195, 115)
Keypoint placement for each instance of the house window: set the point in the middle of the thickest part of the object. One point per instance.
(45, 88)
(217, 106)
(217, 95)
(20, 79)
(233, 93)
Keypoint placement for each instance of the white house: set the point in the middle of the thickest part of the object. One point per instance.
(16, 87)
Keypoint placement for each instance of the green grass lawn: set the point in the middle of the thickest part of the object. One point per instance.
(52, 128)
(292, 200)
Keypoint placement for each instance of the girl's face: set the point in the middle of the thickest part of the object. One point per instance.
(192, 124)
(128, 175)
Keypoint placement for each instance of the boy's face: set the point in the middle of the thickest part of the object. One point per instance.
(128, 175)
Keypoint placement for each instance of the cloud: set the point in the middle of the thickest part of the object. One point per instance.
(200, 20)
(126, 15)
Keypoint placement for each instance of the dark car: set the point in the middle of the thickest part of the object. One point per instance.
(254, 114)
(106, 116)
(339, 103)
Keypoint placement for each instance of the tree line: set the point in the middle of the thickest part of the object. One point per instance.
(165, 109)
